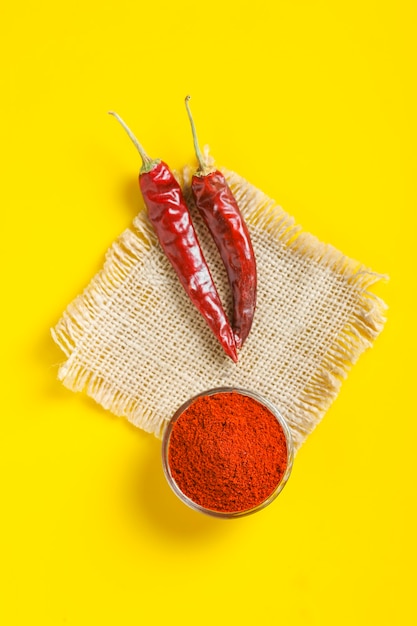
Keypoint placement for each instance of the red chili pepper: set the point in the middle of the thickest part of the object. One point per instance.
(220, 211)
(171, 220)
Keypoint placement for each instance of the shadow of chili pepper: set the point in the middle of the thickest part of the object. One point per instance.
(130, 197)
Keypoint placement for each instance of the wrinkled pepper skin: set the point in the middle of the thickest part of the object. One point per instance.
(171, 220)
(219, 210)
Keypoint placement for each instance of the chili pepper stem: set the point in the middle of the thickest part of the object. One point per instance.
(147, 163)
(203, 167)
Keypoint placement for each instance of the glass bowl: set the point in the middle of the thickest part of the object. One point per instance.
(209, 511)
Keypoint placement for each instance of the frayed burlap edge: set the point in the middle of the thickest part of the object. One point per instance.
(365, 324)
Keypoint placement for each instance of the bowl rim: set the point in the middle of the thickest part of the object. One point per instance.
(215, 391)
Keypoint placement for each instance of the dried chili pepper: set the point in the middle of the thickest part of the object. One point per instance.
(171, 220)
(216, 203)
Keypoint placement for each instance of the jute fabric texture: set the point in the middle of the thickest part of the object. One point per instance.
(135, 344)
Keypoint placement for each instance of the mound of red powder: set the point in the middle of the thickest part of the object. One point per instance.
(227, 452)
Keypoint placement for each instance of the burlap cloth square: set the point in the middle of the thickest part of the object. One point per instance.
(137, 346)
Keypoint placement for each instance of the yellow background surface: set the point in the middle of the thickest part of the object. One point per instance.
(313, 102)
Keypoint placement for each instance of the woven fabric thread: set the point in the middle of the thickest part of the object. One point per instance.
(137, 346)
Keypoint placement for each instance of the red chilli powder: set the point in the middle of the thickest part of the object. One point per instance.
(227, 452)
